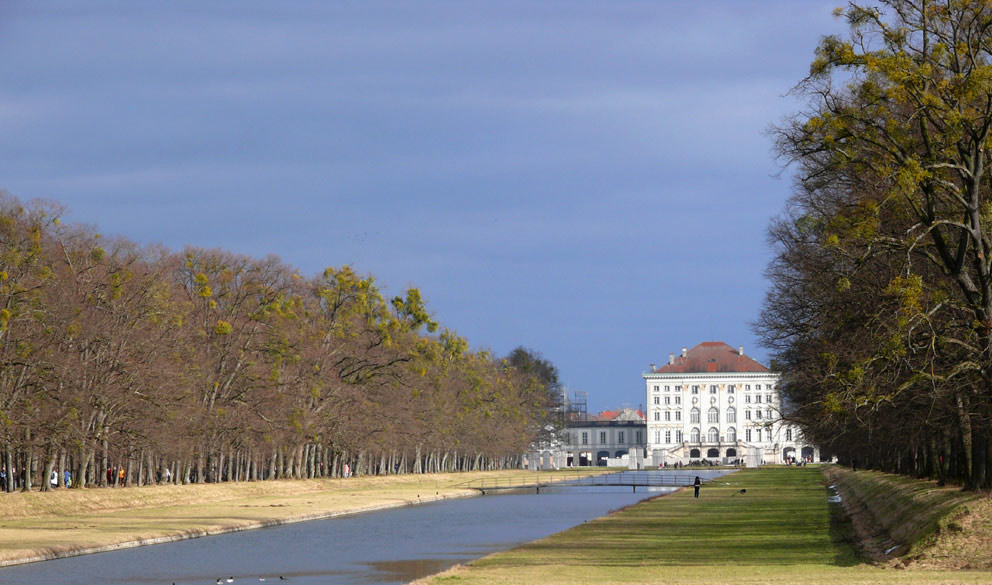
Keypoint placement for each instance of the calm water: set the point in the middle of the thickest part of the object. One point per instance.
(385, 547)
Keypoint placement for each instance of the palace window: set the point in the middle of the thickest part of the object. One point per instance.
(712, 389)
(678, 399)
(668, 436)
(747, 398)
(768, 413)
(731, 415)
(757, 398)
(757, 414)
(585, 437)
(730, 389)
(747, 415)
(657, 436)
(668, 400)
(694, 435)
(731, 435)
(678, 388)
(638, 437)
(602, 436)
(657, 415)
(656, 388)
(678, 436)
(620, 437)
(657, 400)
(768, 398)
(667, 388)
(668, 416)
(713, 415)
(757, 386)
(788, 434)
(678, 415)
(747, 434)
(694, 416)
(713, 436)
(747, 386)
(695, 389)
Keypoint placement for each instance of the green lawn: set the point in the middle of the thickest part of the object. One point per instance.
(781, 531)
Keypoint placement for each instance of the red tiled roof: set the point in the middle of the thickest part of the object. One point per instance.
(608, 415)
(711, 356)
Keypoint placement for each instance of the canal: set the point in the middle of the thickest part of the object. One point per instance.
(378, 548)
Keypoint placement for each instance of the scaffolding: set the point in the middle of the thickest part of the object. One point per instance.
(577, 406)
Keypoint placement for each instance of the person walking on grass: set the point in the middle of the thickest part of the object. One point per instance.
(695, 487)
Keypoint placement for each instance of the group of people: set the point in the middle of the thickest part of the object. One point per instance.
(16, 480)
(12, 477)
(116, 473)
(53, 479)
(698, 462)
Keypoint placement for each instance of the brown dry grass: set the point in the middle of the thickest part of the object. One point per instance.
(963, 541)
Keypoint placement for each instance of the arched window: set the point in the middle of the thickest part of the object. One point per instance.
(694, 435)
(713, 435)
(694, 415)
(731, 435)
(731, 415)
(713, 415)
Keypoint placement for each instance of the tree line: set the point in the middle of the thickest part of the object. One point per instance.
(123, 363)
(880, 307)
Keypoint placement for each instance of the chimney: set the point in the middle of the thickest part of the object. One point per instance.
(740, 350)
(671, 358)
(683, 352)
(652, 367)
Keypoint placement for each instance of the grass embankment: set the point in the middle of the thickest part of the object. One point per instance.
(924, 524)
(782, 530)
(38, 526)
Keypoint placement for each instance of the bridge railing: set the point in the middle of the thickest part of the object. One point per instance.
(618, 478)
(522, 481)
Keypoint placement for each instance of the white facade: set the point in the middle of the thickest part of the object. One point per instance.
(593, 442)
(717, 404)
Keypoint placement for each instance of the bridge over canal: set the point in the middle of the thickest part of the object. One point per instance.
(631, 479)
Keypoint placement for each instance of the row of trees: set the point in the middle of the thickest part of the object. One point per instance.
(211, 366)
(880, 312)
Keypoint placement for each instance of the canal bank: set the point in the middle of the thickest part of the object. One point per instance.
(388, 547)
(40, 526)
(770, 525)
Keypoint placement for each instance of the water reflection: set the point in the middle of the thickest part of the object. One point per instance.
(391, 546)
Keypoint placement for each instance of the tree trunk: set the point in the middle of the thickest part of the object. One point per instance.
(26, 465)
(978, 477)
(965, 419)
(46, 477)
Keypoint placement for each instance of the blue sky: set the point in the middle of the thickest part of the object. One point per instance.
(588, 179)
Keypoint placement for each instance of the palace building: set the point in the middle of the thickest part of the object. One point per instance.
(713, 402)
(710, 403)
